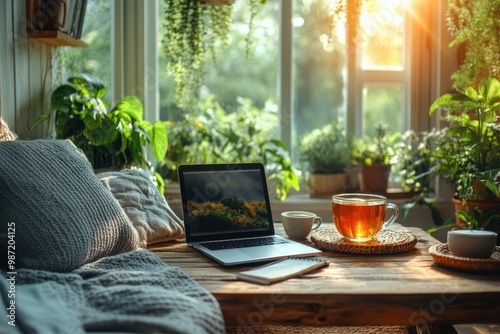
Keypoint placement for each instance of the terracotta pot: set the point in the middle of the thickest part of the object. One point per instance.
(325, 185)
(481, 192)
(352, 183)
(375, 178)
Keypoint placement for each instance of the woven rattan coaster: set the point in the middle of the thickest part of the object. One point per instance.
(442, 255)
(385, 242)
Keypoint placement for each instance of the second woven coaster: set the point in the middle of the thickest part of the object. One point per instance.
(385, 242)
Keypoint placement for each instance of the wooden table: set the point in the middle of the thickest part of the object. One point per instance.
(355, 290)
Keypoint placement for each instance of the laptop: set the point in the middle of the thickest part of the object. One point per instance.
(227, 214)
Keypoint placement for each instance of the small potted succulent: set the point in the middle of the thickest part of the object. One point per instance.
(327, 153)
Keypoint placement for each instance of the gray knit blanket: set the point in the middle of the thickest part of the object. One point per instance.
(133, 292)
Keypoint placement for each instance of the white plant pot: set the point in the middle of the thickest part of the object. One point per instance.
(472, 243)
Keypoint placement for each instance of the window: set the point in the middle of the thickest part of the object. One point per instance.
(322, 89)
(382, 67)
(96, 58)
(314, 81)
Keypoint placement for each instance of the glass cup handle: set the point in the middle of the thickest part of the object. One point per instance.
(316, 223)
(394, 216)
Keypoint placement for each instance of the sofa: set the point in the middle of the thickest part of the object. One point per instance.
(73, 245)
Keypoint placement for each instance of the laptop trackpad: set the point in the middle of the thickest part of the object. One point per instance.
(261, 251)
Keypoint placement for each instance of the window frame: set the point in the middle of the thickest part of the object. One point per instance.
(136, 69)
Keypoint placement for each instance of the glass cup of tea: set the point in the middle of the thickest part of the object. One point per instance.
(359, 217)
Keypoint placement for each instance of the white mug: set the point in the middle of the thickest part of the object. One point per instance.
(298, 224)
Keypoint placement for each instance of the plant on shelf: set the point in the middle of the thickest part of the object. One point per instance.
(192, 28)
(327, 154)
(248, 134)
(414, 171)
(111, 139)
(475, 27)
(468, 154)
(375, 156)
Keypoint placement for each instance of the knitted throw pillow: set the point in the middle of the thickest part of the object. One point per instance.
(146, 208)
(60, 215)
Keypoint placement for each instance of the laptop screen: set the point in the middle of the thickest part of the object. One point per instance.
(224, 201)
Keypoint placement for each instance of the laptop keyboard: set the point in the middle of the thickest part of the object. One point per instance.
(229, 244)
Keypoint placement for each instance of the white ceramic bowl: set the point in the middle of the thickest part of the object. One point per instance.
(472, 243)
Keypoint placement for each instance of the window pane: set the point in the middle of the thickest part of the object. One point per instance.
(319, 67)
(382, 29)
(382, 103)
(96, 58)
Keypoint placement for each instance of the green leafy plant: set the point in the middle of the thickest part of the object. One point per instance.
(476, 219)
(475, 27)
(470, 147)
(193, 28)
(248, 134)
(414, 171)
(468, 153)
(326, 150)
(110, 138)
(378, 150)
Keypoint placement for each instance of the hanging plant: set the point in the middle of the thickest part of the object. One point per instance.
(345, 13)
(193, 28)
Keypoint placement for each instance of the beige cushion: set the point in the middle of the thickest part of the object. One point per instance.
(5, 133)
(146, 208)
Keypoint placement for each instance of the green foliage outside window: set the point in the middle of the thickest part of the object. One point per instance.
(213, 135)
(475, 25)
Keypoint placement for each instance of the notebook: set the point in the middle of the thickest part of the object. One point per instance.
(227, 214)
(281, 270)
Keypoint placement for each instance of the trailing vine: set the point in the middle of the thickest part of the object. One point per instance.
(344, 13)
(193, 28)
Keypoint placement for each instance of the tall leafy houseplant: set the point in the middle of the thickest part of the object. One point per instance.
(110, 138)
(194, 28)
(327, 153)
(468, 156)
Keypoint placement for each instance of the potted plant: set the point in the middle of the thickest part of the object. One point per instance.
(327, 154)
(247, 134)
(468, 154)
(414, 171)
(193, 28)
(110, 138)
(375, 156)
(474, 241)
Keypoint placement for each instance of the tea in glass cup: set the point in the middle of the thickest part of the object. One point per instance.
(359, 217)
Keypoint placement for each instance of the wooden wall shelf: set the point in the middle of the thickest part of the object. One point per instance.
(55, 38)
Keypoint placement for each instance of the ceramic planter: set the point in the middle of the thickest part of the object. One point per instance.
(472, 243)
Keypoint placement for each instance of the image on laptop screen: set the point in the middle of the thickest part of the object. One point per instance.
(225, 202)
